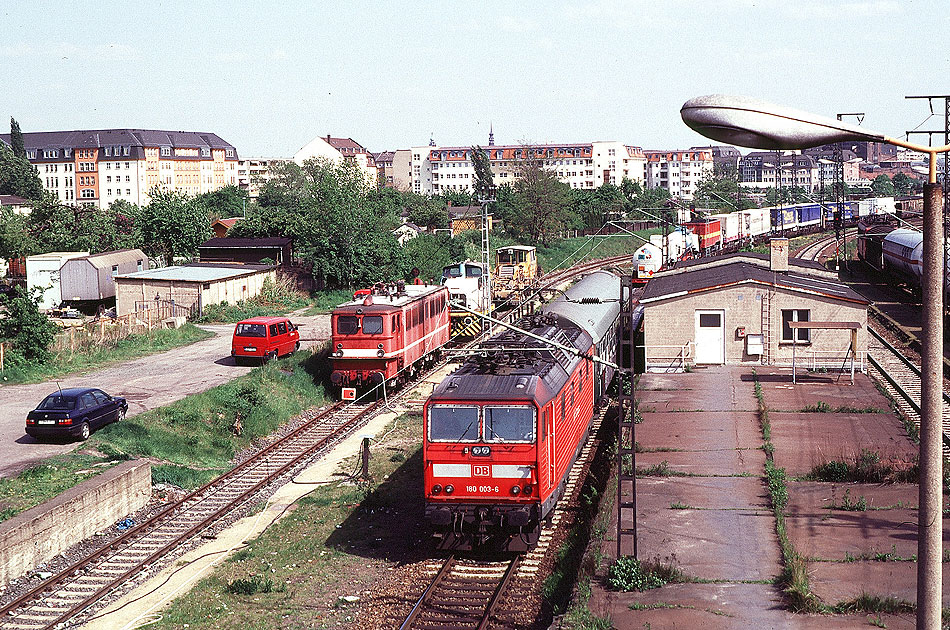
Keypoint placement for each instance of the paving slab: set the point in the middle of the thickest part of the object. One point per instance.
(720, 607)
(780, 393)
(729, 461)
(836, 582)
(804, 440)
(724, 388)
(808, 496)
(706, 430)
(721, 544)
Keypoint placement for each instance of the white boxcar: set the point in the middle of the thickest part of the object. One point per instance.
(42, 271)
(730, 224)
(876, 205)
(755, 223)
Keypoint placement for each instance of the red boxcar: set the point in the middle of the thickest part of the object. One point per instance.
(709, 232)
(385, 333)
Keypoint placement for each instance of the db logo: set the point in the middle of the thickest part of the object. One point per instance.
(481, 471)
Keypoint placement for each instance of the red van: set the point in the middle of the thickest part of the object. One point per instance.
(264, 338)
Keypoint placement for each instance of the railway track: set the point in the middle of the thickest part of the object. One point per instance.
(463, 594)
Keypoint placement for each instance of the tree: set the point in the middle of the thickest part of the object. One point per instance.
(903, 184)
(598, 206)
(456, 197)
(18, 176)
(16, 139)
(883, 186)
(427, 212)
(173, 224)
(15, 238)
(542, 201)
(223, 203)
(721, 192)
(484, 184)
(32, 332)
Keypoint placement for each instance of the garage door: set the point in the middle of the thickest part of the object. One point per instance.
(710, 337)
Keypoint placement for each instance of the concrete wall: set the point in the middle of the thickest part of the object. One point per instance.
(672, 323)
(186, 293)
(33, 537)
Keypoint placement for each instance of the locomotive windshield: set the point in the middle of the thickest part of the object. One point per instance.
(452, 271)
(473, 271)
(347, 325)
(509, 424)
(372, 324)
(453, 424)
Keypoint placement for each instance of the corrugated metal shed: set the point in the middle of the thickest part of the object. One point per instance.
(197, 273)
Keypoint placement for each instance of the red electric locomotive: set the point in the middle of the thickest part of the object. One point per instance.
(386, 332)
(502, 431)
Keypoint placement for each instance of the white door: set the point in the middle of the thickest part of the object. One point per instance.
(710, 337)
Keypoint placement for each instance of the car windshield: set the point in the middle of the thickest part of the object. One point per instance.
(372, 324)
(347, 325)
(453, 424)
(57, 402)
(250, 330)
(509, 424)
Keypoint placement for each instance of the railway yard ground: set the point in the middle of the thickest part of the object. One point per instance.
(841, 546)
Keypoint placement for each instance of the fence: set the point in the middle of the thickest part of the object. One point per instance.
(668, 358)
(107, 332)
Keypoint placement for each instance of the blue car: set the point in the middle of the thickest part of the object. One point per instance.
(75, 412)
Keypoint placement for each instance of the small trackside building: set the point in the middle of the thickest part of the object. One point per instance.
(738, 309)
(190, 287)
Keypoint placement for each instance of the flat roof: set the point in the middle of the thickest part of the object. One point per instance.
(196, 273)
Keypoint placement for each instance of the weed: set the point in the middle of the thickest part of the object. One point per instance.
(853, 506)
(657, 470)
(676, 505)
(866, 602)
(253, 585)
(868, 467)
(819, 407)
(877, 621)
(627, 574)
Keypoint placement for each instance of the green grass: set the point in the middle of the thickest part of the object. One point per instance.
(132, 347)
(566, 252)
(868, 467)
(326, 301)
(195, 436)
(274, 299)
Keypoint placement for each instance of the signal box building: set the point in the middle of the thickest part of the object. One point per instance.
(753, 309)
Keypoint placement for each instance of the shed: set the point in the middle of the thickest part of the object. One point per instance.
(190, 287)
(464, 218)
(42, 271)
(406, 232)
(220, 227)
(246, 250)
(91, 277)
(740, 310)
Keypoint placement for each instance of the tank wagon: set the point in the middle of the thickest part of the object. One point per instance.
(502, 431)
(386, 333)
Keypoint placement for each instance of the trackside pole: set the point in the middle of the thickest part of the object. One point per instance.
(626, 433)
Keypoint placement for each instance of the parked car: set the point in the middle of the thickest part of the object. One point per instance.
(74, 412)
(264, 338)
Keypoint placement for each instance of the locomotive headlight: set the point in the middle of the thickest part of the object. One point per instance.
(380, 346)
(481, 451)
(449, 489)
(515, 491)
(528, 489)
(436, 489)
(380, 353)
(339, 346)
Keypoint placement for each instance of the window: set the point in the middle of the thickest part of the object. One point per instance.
(273, 330)
(229, 152)
(509, 424)
(166, 151)
(138, 264)
(372, 324)
(795, 315)
(250, 330)
(453, 424)
(282, 328)
(347, 325)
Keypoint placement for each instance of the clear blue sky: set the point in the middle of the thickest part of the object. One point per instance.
(270, 76)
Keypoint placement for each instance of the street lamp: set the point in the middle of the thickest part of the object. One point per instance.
(757, 124)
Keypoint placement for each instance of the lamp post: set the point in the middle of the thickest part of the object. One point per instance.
(757, 124)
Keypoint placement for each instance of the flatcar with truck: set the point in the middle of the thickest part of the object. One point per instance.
(502, 432)
(387, 333)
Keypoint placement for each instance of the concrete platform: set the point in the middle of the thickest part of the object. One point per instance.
(715, 463)
(836, 390)
(836, 582)
(804, 440)
(705, 389)
(711, 429)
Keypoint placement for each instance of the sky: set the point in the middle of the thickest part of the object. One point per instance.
(268, 77)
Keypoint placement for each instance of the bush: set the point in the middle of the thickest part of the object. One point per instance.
(251, 586)
(627, 574)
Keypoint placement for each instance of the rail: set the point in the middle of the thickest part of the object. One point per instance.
(675, 362)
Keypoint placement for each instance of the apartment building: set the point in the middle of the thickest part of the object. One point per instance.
(339, 150)
(253, 173)
(105, 165)
(678, 171)
(434, 169)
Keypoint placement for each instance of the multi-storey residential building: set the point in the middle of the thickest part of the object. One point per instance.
(725, 157)
(106, 165)
(252, 173)
(339, 150)
(759, 169)
(434, 169)
(678, 171)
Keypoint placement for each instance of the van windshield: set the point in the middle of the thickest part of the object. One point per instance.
(250, 330)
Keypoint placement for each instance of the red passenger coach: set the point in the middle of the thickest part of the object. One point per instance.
(387, 333)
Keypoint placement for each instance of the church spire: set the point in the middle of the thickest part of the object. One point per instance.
(491, 135)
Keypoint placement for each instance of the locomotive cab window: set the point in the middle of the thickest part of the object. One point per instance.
(450, 423)
(372, 324)
(347, 325)
(509, 424)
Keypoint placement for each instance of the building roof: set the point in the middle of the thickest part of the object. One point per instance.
(135, 139)
(383, 157)
(246, 243)
(664, 286)
(108, 259)
(196, 272)
(346, 145)
(13, 200)
(463, 212)
(800, 265)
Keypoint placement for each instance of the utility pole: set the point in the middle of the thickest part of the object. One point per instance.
(840, 188)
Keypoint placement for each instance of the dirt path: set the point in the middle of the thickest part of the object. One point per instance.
(147, 383)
